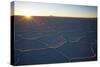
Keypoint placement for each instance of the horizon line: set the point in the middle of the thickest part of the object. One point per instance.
(56, 16)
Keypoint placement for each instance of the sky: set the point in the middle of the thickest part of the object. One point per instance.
(51, 9)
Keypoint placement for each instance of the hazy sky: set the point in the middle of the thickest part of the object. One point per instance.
(47, 9)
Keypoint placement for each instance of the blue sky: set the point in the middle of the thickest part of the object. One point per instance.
(47, 9)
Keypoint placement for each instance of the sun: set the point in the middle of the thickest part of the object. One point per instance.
(27, 13)
(28, 16)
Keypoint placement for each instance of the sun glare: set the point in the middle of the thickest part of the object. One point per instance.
(28, 16)
(27, 13)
